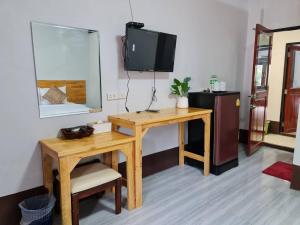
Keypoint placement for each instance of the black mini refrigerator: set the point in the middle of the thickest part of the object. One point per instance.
(224, 130)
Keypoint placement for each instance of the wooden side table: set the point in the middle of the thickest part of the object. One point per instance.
(67, 154)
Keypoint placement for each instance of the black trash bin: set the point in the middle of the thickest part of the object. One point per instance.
(37, 210)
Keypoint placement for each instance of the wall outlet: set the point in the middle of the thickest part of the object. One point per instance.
(115, 96)
(111, 96)
(123, 95)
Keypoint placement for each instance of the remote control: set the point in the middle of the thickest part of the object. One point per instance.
(152, 110)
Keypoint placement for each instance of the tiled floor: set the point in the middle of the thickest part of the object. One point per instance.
(280, 140)
(183, 196)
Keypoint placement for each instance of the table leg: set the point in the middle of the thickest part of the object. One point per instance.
(65, 192)
(115, 154)
(138, 167)
(107, 159)
(47, 171)
(181, 143)
(114, 163)
(130, 177)
(206, 121)
(115, 160)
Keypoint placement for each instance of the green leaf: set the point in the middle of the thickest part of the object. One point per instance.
(177, 82)
(187, 79)
(185, 87)
(175, 89)
(174, 86)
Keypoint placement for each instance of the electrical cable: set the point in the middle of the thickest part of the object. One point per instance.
(128, 76)
(131, 12)
(127, 72)
(153, 97)
(123, 47)
(127, 93)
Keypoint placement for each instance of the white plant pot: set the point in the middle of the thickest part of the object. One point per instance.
(182, 102)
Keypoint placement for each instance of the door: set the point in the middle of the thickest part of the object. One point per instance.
(292, 90)
(259, 89)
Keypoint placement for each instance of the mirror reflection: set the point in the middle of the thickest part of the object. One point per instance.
(67, 64)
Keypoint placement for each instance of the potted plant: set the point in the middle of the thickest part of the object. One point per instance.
(181, 90)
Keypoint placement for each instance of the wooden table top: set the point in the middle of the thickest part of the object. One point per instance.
(62, 147)
(163, 115)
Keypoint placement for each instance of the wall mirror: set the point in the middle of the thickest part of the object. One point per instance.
(67, 65)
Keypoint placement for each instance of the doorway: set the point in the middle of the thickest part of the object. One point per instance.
(278, 100)
(291, 91)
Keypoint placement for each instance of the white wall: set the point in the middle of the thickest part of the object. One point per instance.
(240, 4)
(272, 14)
(276, 74)
(211, 36)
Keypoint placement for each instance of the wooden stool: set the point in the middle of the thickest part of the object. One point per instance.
(92, 179)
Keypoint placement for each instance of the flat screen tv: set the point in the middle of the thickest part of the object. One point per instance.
(147, 50)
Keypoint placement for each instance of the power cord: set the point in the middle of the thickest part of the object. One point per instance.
(127, 93)
(128, 76)
(131, 12)
(153, 98)
(127, 72)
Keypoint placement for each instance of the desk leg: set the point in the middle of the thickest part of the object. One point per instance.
(47, 171)
(115, 160)
(206, 121)
(181, 143)
(107, 159)
(65, 192)
(138, 167)
(130, 177)
(114, 157)
(114, 163)
(115, 154)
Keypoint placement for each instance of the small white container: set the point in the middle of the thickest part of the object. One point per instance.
(182, 102)
(100, 127)
(216, 86)
(222, 86)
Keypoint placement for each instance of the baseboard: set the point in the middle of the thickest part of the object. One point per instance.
(243, 136)
(9, 211)
(283, 148)
(156, 162)
(288, 135)
(295, 183)
(274, 127)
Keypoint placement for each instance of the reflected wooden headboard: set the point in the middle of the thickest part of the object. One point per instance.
(76, 89)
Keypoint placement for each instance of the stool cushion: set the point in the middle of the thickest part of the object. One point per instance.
(92, 175)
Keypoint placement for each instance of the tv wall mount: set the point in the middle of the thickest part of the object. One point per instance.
(136, 25)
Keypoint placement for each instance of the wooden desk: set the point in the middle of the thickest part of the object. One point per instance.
(140, 123)
(68, 153)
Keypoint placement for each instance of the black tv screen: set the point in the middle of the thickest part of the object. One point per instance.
(149, 50)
